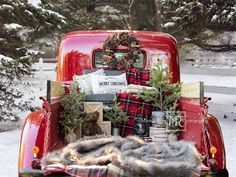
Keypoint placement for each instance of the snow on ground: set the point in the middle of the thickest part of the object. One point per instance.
(227, 84)
(9, 145)
(222, 98)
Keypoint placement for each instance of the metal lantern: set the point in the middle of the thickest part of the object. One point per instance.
(141, 126)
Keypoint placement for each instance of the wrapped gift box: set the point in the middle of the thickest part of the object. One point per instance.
(106, 127)
(94, 106)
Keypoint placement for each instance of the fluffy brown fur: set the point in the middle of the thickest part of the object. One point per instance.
(90, 126)
(136, 157)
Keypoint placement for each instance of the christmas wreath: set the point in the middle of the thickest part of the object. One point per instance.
(111, 46)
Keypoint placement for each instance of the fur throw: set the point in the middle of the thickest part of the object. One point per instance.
(136, 157)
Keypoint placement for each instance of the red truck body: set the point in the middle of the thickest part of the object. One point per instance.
(76, 53)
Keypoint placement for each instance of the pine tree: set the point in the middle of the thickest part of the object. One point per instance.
(81, 15)
(104, 14)
(164, 94)
(199, 20)
(116, 115)
(72, 107)
(189, 21)
(20, 24)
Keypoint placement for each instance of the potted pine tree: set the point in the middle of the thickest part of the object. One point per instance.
(116, 116)
(164, 94)
(72, 114)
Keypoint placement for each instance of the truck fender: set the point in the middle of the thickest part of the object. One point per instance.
(215, 138)
(32, 134)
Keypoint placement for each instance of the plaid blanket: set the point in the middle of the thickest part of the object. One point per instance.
(109, 170)
(95, 171)
(133, 106)
(138, 76)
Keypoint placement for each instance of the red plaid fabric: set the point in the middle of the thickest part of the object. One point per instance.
(86, 171)
(138, 76)
(95, 171)
(133, 106)
(109, 170)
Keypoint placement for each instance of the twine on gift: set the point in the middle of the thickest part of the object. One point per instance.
(90, 111)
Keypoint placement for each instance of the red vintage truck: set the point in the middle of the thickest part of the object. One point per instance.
(81, 51)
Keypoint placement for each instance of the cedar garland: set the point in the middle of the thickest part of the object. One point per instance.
(111, 46)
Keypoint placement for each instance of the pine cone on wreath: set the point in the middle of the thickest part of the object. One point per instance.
(111, 44)
(106, 59)
(132, 56)
(133, 43)
(113, 63)
(131, 62)
(119, 66)
(107, 51)
(136, 52)
(123, 38)
(126, 64)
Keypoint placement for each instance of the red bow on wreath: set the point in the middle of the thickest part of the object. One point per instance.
(111, 45)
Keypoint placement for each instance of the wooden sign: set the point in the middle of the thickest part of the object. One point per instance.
(193, 90)
(54, 89)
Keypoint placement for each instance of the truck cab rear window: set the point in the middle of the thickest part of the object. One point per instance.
(97, 59)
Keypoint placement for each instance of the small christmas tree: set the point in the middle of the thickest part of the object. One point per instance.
(72, 113)
(115, 115)
(165, 93)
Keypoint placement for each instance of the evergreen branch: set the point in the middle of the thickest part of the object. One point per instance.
(165, 93)
(115, 115)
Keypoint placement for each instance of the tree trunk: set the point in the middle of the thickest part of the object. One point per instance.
(158, 19)
(130, 24)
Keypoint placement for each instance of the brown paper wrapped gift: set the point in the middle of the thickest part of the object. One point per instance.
(94, 106)
(106, 127)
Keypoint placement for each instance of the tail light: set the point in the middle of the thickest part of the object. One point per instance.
(213, 151)
(212, 160)
(35, 163)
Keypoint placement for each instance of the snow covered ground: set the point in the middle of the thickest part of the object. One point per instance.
(9, 141)
(9, 145)
(229, 132)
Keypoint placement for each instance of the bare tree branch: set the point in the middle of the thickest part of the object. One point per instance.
(216, 48)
